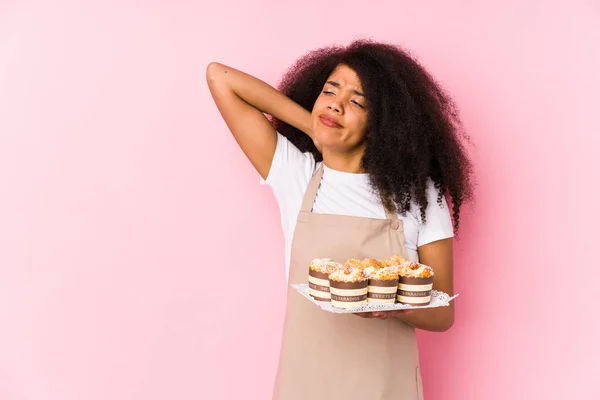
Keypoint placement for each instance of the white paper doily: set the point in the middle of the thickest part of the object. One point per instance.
(438, 299)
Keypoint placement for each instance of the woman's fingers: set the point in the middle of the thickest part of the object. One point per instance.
(383, 314)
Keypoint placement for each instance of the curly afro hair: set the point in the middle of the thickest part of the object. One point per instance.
(414, 130)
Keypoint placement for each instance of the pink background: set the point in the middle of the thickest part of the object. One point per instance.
(124, 197)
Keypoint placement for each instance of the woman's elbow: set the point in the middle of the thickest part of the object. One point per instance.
(446, 322)
(212, 72)
(446, 326)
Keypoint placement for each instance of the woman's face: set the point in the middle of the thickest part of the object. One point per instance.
(339, 116)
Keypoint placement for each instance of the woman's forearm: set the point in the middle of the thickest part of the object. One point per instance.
(438, 319)
(261, 96)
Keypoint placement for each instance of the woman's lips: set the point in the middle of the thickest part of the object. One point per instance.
(328, 121)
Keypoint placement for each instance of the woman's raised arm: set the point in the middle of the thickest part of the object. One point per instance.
(242, 99)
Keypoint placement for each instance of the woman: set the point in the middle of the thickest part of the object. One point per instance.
(362, 151)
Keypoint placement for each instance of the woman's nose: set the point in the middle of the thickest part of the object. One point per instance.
(335, 107)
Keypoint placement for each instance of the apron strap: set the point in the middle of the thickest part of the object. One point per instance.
(391, 215)
(311, 194)
(311, 191)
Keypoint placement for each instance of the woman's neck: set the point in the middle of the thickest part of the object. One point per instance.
(344, 162)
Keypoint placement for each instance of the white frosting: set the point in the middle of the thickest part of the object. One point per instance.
(416, 270)
(348, 275)
(318, 262)
(384, 272)
(325, 265)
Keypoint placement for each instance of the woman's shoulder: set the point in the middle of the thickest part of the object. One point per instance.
(290, 166)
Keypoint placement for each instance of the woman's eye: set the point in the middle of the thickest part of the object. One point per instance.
(327, 92)
(358, 104)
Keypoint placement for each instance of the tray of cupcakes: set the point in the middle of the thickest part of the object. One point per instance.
(371, 285)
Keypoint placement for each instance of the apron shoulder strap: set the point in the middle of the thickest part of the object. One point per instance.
(391, 214)
(311, 190)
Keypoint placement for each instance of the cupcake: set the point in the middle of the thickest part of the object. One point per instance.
(394, 260)
(318, 278)
(348, 287)
(383, 285)
(371, 263)
(353, 263)
(414, 284)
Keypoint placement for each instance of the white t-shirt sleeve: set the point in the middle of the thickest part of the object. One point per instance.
(288, 162)
(438, 223)
(288, 178)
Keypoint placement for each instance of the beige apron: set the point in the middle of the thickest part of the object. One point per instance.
(343, 356)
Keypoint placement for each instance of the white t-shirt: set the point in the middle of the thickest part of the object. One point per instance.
(345, 193)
